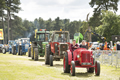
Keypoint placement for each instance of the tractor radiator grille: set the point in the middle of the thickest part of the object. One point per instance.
(63, 47)
(86, 57)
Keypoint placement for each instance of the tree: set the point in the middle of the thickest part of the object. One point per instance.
(104, 5)
(101, 5)
(12, 7)
(110, 25)
(49, 24)
(58, 24)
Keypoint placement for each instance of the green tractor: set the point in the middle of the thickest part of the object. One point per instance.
(38, 46)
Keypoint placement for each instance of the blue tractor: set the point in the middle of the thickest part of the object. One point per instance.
(11, 43)
(23, 46)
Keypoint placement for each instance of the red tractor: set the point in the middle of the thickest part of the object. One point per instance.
(81, 58)
(58, 45)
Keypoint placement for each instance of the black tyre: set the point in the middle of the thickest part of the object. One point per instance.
(32, 54)
(21, 52)
(72, 69)
(35, 54)
(47, 55)
(29, 52)
(97, 68)
(90, 70)
(32, 50)
(18, 50)
(15, 52)
(66, 67)
(51, 60)
(12, 50)
(4, 51)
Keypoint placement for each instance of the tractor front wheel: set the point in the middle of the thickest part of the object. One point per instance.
(51, 60)
(66, 67)
(72, 68)
(35, 54)
(32, 53)
(47, 55)
(97, 68)
(29, 52)
(21, 52)
(15, 52)
(4, 51)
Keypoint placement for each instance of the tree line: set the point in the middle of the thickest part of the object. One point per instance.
(104, 22)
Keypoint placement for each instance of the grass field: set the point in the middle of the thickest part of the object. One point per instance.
(14, 67)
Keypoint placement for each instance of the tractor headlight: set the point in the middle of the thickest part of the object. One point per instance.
(78, 56)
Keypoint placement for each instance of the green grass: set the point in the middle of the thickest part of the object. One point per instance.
(13, 67)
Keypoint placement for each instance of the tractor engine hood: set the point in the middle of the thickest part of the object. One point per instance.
(77, 53)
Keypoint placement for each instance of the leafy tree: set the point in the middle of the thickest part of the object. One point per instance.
(98, 6)
(111, 25)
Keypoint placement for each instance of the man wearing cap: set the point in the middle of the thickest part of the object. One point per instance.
(60, 38)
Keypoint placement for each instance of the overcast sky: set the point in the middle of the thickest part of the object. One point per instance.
(70, 9)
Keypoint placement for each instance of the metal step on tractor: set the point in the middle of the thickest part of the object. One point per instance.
(38, 46)
(58, 45)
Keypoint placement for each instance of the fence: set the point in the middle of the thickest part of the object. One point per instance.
(107, 57)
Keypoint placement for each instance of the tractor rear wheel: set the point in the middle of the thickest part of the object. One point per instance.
(4, 51)
(29, 52)
(66, 67)
(72, 68)
(90, 70)
(51, 60)
(35, 54)
(47, 55)
(97, 68)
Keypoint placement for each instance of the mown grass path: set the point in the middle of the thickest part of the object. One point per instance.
(14, 67)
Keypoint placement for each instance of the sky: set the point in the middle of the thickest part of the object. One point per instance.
(70, 9)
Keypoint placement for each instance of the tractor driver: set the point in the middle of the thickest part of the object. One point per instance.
(73, 46)
(60, 38)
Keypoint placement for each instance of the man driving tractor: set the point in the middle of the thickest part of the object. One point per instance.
(73, 46)
(60, 38)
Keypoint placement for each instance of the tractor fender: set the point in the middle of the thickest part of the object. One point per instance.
(69, 56)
